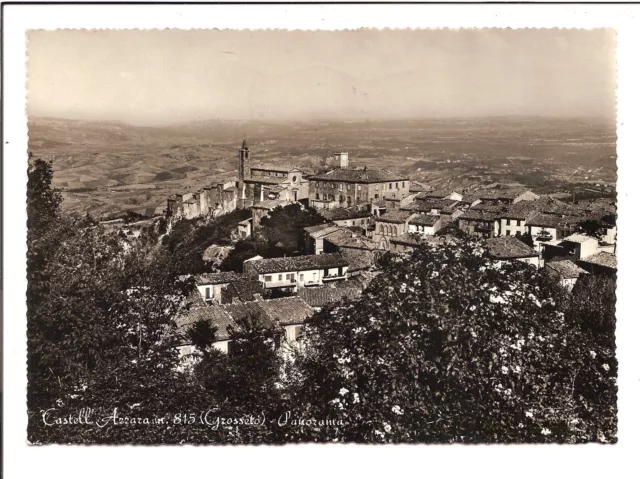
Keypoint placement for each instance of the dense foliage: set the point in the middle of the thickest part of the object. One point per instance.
(281, 233)
(188, 239)
(442, 346)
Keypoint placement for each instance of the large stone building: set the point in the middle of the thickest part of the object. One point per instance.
(344, 186)
(262, 182)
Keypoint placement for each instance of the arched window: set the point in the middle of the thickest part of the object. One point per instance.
(395, 231)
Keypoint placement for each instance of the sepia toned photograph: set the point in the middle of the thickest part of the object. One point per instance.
(350, 236)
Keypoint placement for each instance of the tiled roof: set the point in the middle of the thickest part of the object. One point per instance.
(359, 259)
(346, 238)
(272, 180)
(240, 311)
(319, 297)
(285, 168)
(318, 231)
(565, 268)
(424, 220)
(429, 204)
(396, 216)
(359, 176)
(335, 214)
(545, 220)
(436, 194)
(509, 247)
(214, 278)
(602, 258)
(286, 311)
(244, 290)
(477, 215)
(215, 314)
(299, 263)
(500, 193)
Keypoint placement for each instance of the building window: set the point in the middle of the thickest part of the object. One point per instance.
(359, 187)
(518, 222)
(317, 184)
(508, 232)
(348, 187)
(207, 292)
(280, 277)
(403, 184)
(396, 186)
(390, 185)
(301, 276)
(267, 279)
(294, 179)
(340, 186)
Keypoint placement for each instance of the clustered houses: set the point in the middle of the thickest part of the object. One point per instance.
(367, 213)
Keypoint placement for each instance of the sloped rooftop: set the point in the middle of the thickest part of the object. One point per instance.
(602, 258)
(565, 268)
(286, 311)
(320, 297)
(395, 216)
(508, 247)
(215, 314)
(299, 263)
(424, 220)
(359, 176)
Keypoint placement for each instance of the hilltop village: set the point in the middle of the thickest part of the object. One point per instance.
(368, 212)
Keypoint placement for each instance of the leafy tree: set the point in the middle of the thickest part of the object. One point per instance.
(527, 239)
(188, 239)
(283, 228)
(281, 233)
(443, 346)
(591, 228)
(43, 201)
(202, 334)
(592, 308)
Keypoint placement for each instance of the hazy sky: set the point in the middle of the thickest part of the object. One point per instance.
(152, 77)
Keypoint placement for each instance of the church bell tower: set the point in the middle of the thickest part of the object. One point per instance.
(243, 169)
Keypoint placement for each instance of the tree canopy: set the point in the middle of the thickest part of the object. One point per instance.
(444, 346)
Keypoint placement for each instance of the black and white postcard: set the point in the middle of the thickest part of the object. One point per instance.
(273, 237)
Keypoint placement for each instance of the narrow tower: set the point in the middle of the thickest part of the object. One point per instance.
(243, 170)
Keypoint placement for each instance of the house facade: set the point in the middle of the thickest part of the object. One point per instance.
(297, 271)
